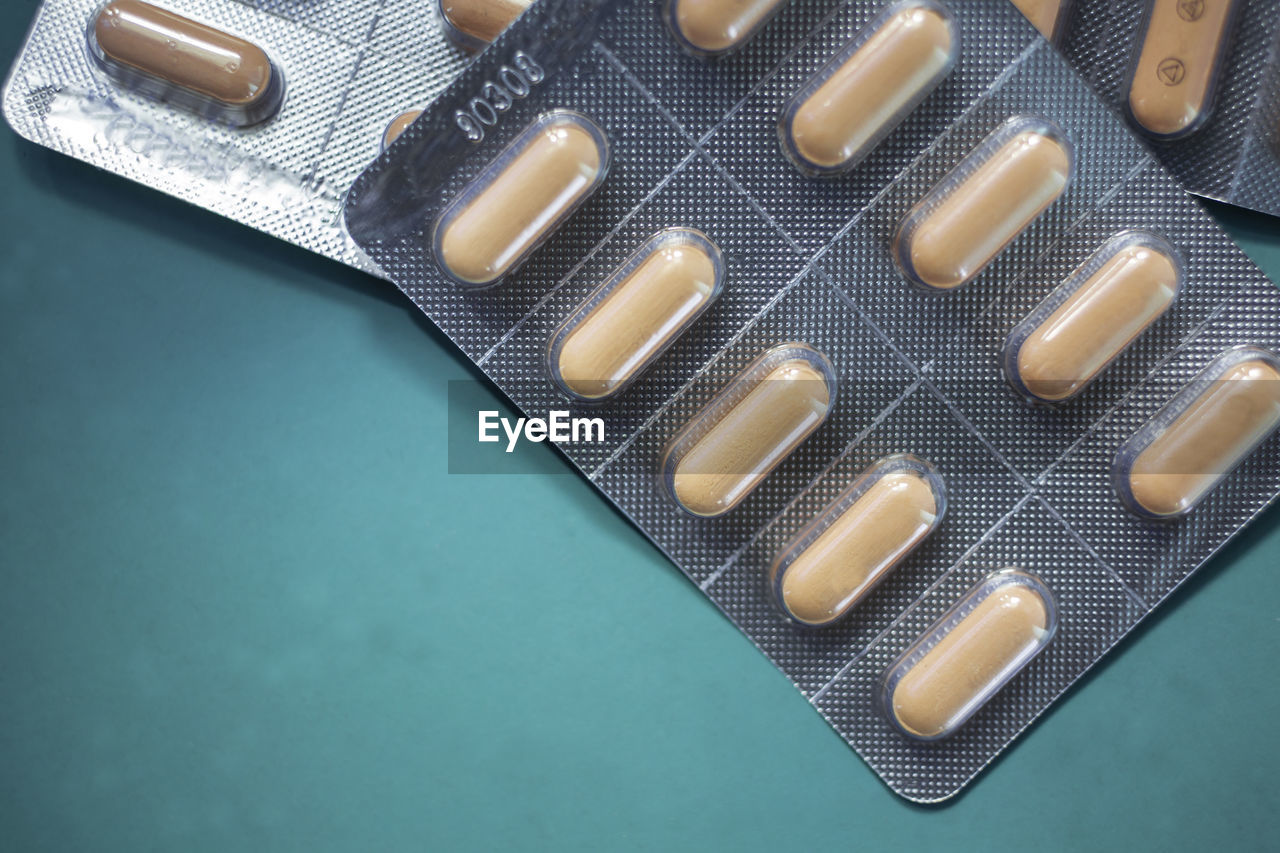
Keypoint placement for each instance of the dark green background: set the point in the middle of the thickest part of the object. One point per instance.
(243, 606)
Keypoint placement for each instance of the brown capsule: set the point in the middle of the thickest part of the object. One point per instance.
(990, 198)
(964, 658)
(1176, 70)
(640, 310)
(475, 23)
(1201, 435)
(398, 125)
(1045, 15)
(871, 85)
(185, 62)
(524, 194)
(760, 418)
(1109, 302)
(715, 27)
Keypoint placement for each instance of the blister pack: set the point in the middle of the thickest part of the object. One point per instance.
(263, 111)
(879, 306)
(1199, 79)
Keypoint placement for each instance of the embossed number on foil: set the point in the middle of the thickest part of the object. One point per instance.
(515, 80)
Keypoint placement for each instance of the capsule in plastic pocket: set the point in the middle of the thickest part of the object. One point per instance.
(858, 540)
(639, 311)
(1174, 75)
(1092, 317)
(872, 83)
(748, 429)
(715, 27)
(964, 658)
(1047, 16)
(984, 203)
(398, 125)
(174, 59)
(520, 198)
(1199, 437)
(472, 24)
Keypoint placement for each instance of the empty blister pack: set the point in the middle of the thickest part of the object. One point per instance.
(827, 438)
(263, 111)
(834, 448)
(1199, 79)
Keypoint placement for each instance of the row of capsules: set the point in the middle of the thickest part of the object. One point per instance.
(763, 414)
(221, 76)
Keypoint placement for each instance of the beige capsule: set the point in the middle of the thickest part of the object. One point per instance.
(1175, 73)
(714, 27)
(475, 23)
(523, 195)
(968, 654)
(856, 542)
(640, 310)
(1212, 425)
(398, 125)
(763, 415)
(984, 204)
(836, 118)
(174, 58)
(1113, 298)
(1045, 15)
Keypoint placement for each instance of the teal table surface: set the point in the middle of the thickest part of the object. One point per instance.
(243, 605)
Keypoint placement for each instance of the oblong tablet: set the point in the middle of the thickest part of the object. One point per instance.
(858, 539)
(636, 314)
(716, 27)
(1047, 16)
(1092, 317)
(184, 62)
(521, 197)
(840, 114)
(397, 126)
(965, 657)
(748, 429)
(1188, 447)
(472, 24)
(984, 203)
(1175, 70)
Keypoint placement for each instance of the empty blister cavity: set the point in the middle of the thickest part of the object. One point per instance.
(716, 27)
(872, 83)
(1092, 317)
(748, 429)
(472, 24)
(640, 310)
(1047, 16)
(1188, 447)
(1175, 69)
(397, 126)
(520, 198)
(174, 59)
(984, 203)
(962, 660)
(858, 540)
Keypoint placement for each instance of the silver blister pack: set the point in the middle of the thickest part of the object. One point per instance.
(809, 266)
(1229, 149)
(348, 66)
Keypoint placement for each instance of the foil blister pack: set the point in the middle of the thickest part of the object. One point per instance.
(1199, 79)
(825, 440)
(340, 71)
